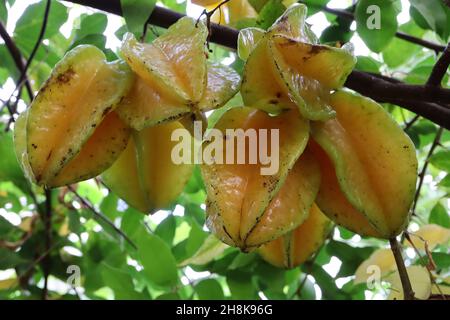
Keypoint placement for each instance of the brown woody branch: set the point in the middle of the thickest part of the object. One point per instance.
(423, 100)
(408, 293)
(46, 262)
(440, 68)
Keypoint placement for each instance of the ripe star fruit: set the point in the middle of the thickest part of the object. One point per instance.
(70, 132)
(230, 12)
(295, 247)
(368, 166)
(245, 208)
(145, 176)
(174, 78)
(286, 67)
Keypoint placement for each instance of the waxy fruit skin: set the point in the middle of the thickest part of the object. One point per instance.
(368, 165)
(71, 132)
(245, 208)
(145, 176)
(295, 247)
(173, 77)
(287, 68)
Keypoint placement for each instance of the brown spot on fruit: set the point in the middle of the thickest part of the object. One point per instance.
(66, 76)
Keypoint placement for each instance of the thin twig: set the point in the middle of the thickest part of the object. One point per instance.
(46, 263)
(432, 279)
(408, 293)
(17, 57)
(422, 173)
(38, 41)
(411, 122)
(101, 216)
(208, 15)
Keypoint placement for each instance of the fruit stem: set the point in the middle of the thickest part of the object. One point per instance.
(408, 292)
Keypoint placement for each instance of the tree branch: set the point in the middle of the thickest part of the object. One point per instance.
(101, 216)
(17, 57)
(408, 293)
(423, 100)
(37, 44)
(440, 68)
(46, 262)
(391, 90)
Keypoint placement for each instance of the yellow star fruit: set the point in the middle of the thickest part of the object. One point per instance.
(174, 78)
(297, 246)
(286, 67)
(246, 208)
(70, 132)
(368, 166)
(145, 176)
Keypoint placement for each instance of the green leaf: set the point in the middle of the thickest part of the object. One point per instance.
(9, 259)
(188, 247)
(307, 292)
(168, 296)
(439, 215)
(445, 182)
(210, 249)
(109, 206)
(131, 221)
(431, 14)
(176, 5)
(269, 13)
(136, 13)
(314, 6)
(441, 160)
(209, 289)
(5, 227)
(351, 257)
(242, 260)
(327, 284)
(9, 166)
(120, 32)
(367, 64)
(441, 259)
(166, 229)
(74, 222)
(339, 32)
(241, 286)
(29, 24)
(98, 40)
(400, 51)
(92, 24)
(376, 22)
(3, 12)
(414, 136)
(8, 62)
(121, 283)
(270, 277)
(158, 262)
